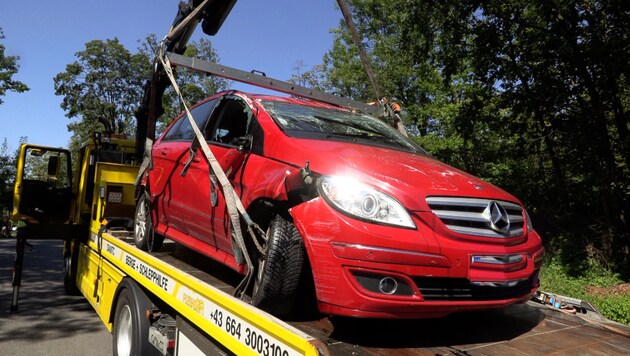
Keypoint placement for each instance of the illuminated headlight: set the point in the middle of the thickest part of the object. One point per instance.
(363, 202)
(530, 226)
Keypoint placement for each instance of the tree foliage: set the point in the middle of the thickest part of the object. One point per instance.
(7, 174)
(312, 78)
(530, 95)
(8, 168)
(102, 87)
(106, 83)
(8, 68)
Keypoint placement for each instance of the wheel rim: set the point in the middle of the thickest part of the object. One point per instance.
(66, 266)
(140, 226)
(124, 332)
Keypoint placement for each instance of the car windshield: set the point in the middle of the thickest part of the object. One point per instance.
(304, 121)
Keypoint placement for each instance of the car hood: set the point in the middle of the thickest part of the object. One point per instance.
(408, 177)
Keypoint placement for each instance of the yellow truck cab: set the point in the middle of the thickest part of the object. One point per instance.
(47, 191)
(53, 203)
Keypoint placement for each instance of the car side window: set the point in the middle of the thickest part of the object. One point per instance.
(230, 122)
(182, 130)
(172, 132)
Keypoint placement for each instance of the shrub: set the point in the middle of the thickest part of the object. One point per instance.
(591, 282)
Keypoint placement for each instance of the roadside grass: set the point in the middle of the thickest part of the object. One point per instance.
(590, 282)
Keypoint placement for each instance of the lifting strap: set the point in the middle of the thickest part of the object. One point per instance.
(235, 207)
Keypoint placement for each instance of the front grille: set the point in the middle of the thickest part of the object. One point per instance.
(475, 217)
(461, 289)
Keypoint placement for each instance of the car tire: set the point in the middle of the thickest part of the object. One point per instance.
(130, 334)
(70, 261)
(155, 242)
(143, 233)
(278, 272)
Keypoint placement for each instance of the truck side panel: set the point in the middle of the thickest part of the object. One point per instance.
(234, 324)
(98, 279)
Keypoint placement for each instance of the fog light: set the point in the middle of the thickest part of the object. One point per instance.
(380, 284)
(388, 285)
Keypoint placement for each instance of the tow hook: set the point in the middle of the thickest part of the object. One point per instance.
(162, 334)
(307, 174)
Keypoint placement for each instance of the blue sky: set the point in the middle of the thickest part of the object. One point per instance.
(270, 36)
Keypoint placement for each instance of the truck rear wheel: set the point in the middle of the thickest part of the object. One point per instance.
(278, 273)
(130, 334)
(143, 233)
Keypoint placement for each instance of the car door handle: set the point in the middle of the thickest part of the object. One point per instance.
(164, 151)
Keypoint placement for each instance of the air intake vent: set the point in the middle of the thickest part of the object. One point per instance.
(479, 217)
(459, 289)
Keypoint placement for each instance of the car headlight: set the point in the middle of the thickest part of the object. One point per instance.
(530, 226)
(363, 202)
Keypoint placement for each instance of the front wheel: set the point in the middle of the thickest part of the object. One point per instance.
(143, 232)
(279, 270)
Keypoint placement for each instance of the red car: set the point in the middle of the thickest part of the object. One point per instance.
(385, 230)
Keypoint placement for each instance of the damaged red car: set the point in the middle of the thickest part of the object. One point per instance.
(377, 226)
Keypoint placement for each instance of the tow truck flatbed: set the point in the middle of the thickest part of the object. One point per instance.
(522, 329)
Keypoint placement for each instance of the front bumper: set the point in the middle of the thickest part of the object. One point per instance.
(368, 270)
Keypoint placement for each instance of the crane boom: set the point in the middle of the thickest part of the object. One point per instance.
(211, 14)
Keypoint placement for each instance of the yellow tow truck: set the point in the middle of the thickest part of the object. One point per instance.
(150, 303)
(123, 283)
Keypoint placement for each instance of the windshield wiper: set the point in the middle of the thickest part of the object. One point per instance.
(346, 123)
(354, 137)
(351, 137)
(385, 139)
(368, 133)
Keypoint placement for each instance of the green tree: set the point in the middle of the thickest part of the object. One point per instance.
(530, 95)
(311, 78)
(8, 68)
(105, 83)
(7, 176)
(561, 78)
(8, 167)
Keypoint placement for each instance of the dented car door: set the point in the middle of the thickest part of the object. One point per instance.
(170, 157)
(208, 215)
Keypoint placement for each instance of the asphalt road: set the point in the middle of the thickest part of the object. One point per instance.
(48, 321)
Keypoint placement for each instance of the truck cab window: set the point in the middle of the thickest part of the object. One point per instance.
(47, 166)
(45, 185)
